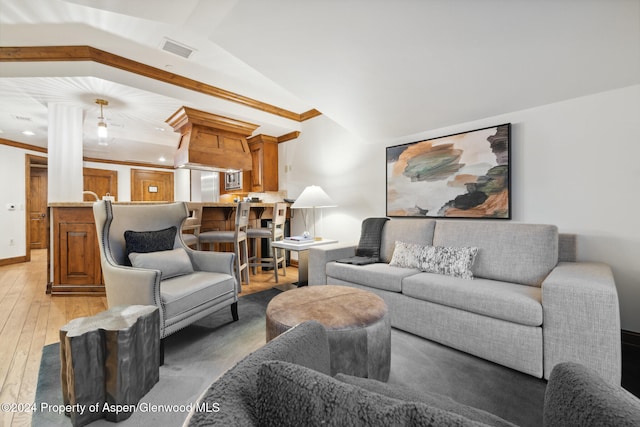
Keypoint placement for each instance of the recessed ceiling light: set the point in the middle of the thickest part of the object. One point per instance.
(160, 129)
(162, 159)
(28, 133)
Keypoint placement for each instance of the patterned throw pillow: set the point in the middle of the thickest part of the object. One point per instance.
(455, 262)
(407, 255)
(449, 261)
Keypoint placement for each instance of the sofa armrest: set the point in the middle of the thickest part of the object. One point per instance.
(578, 396)
(582, 319)
(319, 256)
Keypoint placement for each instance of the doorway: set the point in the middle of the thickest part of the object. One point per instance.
(36, 204)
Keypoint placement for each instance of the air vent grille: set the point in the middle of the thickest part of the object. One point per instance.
(177, 48)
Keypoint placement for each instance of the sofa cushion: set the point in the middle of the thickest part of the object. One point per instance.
(406, 230)
(400, 392)
(507, 301)
(378, 275)
(180, 294)
(292, 395)
(518, 253)
(171, 263)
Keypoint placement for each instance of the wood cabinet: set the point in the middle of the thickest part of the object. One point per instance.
(76, 256)
(264, 156)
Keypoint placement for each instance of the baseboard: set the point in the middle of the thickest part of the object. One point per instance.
(14, 260)
(630, 357)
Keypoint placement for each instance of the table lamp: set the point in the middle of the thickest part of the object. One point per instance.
(313, 197)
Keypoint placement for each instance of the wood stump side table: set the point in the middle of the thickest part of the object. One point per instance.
(357, 324)
(109, 360)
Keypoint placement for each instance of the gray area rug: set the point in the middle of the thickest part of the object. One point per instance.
(197, 355)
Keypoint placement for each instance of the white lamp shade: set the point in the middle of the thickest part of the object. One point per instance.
(313, 197)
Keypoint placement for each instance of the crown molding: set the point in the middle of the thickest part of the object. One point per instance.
(88, 53)
(29, 147)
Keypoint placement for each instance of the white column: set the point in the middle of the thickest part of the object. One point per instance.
(182, 184)
(65, 153)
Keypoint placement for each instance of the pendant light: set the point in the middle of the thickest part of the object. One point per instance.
(102, 125)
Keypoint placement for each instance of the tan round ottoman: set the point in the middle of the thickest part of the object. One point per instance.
(357, 324)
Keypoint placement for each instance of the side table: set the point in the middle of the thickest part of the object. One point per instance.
(108, 360)
(302, 248)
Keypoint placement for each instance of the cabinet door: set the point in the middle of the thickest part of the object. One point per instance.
(257, 173)
(78, 246)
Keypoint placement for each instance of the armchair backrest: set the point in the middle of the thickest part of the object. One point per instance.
(113, 220)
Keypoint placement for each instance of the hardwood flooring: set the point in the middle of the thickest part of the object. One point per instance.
(31, 319)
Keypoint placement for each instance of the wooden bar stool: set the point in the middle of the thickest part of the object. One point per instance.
(192, 223)
(238, 237)
(274, 233)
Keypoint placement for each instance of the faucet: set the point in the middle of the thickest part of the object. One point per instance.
(91, 193)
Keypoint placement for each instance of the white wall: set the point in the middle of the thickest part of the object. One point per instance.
(12, 190)
(575, 164)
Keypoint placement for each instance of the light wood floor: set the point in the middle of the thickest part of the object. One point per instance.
(31, 319)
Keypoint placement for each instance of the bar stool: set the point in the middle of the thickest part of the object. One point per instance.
(274, 233)
(238, 237)
(192, 223)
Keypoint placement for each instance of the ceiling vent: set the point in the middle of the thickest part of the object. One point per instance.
(176, 48)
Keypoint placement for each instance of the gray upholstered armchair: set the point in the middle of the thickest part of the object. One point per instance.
(184, 284)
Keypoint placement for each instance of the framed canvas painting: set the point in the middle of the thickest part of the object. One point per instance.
(465, 175)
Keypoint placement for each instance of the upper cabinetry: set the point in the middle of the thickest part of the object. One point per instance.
(264, 159)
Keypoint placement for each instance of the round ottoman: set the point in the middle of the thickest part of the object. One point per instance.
(356, 321)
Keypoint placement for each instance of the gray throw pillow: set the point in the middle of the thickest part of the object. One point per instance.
(149, 241)
(292, 395)
(171, 263)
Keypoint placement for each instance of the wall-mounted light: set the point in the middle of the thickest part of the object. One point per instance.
(102, 125)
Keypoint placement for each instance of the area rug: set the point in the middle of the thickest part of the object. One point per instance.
(194, 357)
(200, 353)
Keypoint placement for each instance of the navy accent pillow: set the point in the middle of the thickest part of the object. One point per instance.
(148, 241)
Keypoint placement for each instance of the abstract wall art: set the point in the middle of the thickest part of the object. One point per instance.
(465, 175)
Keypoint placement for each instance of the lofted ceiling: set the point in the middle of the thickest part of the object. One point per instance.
(381, 69)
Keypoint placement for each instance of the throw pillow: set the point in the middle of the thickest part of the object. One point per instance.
(407, 255)
(292, 395)
(148, 241)
(455, 262)
(450, 261)
(171, 263)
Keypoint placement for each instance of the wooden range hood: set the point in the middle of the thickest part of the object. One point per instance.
(211, 142)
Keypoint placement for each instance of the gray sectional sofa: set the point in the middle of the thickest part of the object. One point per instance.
(529, 306)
